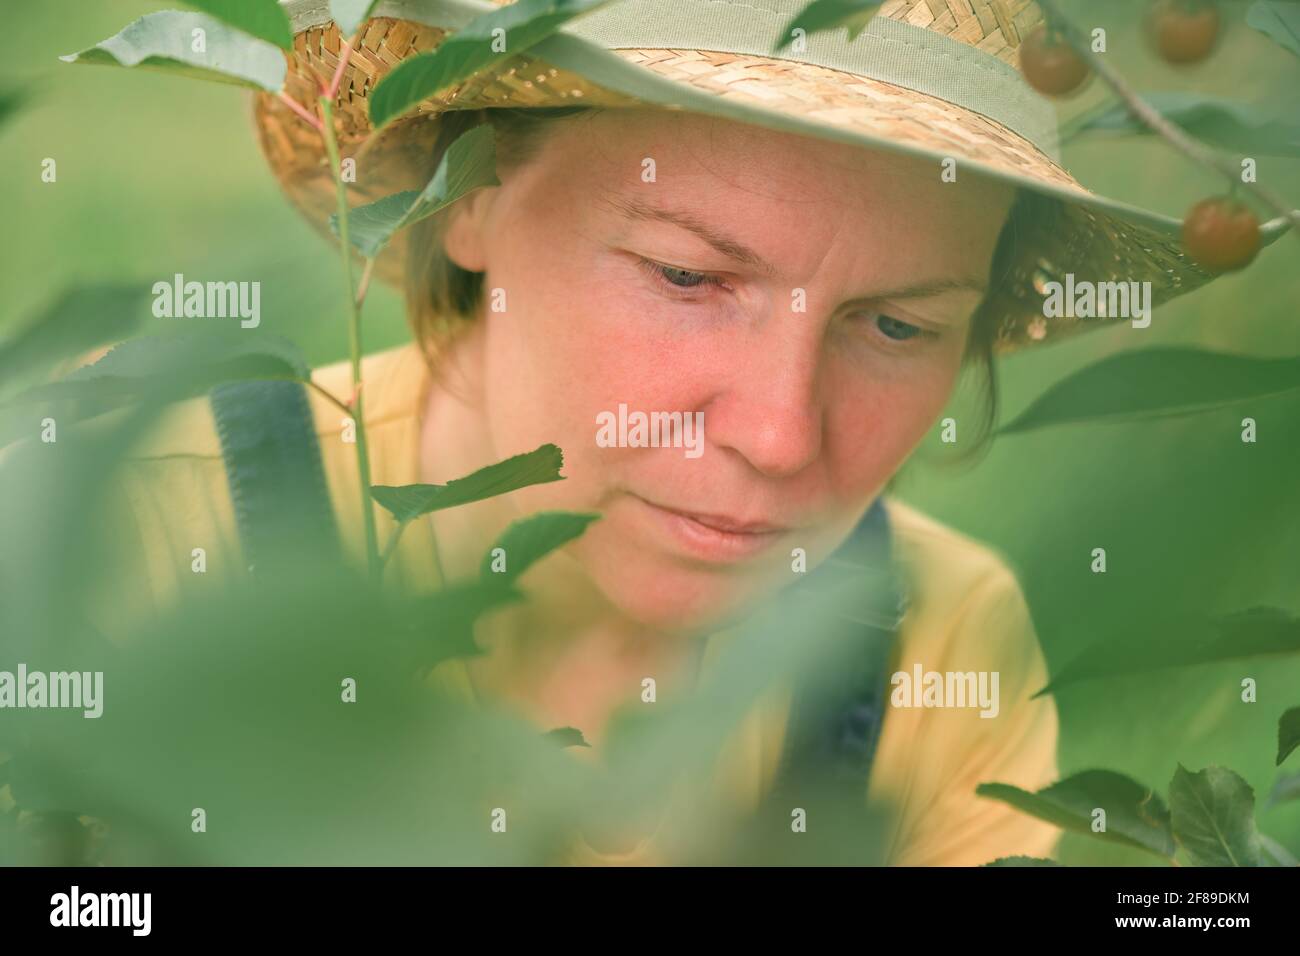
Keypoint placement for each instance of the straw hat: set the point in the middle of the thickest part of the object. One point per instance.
(933, 78)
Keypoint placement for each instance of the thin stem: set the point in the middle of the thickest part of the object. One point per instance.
(301, 110)
(1189, 147)
(345, 54)
(364, 285)
(354, 338)
(330, 397)
(391, 546)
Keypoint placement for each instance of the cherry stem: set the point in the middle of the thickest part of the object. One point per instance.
(300, 110)
(332, 90)
(1191, 148)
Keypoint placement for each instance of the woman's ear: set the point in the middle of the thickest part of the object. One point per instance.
(464, 241)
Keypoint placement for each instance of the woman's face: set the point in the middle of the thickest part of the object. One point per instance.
(808, 301)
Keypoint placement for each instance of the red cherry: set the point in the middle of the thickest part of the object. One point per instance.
(1182, 31)
(1051, 65)
(1221, 235)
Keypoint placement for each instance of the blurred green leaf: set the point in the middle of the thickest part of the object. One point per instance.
(406, 502)
(152, 372)
(1184, 641)
(530, 539)
(1213, 816)
(820, 15)
(1285, 789)
(469, 50)
(567, 737)
(1154, 382)
(1278, 21)
(11, 101)
(350, 14)
(468, 164)
(82, 318)
(166, 41)
(1288, 734)
(1241, 127)
(264, 19)
(443, 622)
(1021, 861)
(1135, 815)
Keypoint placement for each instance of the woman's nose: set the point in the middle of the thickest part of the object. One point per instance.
(770, 410)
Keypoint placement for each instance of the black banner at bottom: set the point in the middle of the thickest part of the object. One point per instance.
(338, 904)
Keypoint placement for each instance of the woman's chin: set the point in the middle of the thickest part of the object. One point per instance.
(659, 592)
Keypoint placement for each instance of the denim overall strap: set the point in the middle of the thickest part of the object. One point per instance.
(273, 465)
(832, 731)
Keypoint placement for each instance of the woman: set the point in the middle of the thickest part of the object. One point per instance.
(813, 300)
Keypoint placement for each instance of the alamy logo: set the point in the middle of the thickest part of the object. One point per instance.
(651, 430)
(102, 909)
(208, 300)
(58, 689)
(923, 688)
(1098, 300)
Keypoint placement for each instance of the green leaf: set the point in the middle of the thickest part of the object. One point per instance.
(1285, 789)
(82, 318)
(172, 367)
(1288, 734)
(11, 101)
(1154, 382)
(1213, 814)
(1240, 127)
(1183, 641)
(1022, 861)
(567, 737)
(406, 502)
(1278, 21)
(468, 164)
(443, 622)
(1135, 815)
(469, 50)
(166, 40)
(264, 19)
(819, 15)
(350, 14)
(530, 539)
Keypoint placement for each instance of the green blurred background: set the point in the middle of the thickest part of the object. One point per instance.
(158, 175)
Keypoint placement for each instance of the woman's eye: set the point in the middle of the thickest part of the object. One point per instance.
(678, 278)
(896, 329)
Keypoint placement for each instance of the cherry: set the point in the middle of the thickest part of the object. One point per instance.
(1050, 64)
(1221, 234)
(1182, 31)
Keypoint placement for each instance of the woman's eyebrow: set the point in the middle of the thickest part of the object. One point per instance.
(631, 208)
(635, 209)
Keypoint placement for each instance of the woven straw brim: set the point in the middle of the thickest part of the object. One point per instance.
(1068, 237)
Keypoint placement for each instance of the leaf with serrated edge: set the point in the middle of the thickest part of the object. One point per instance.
(1135, 815)
(530, 539)
(536, 467)
(1213, 815)
(264, 19)
(163, 41)
(468, 164)
(470, 50)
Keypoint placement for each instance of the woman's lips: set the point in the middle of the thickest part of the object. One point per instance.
(714, 537)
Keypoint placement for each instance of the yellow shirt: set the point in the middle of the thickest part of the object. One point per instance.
(967, 614)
